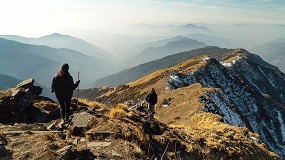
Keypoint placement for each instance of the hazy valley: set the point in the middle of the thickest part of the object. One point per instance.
(219, 95)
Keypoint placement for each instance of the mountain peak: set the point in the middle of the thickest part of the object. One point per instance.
(194, 26)
(56, 35)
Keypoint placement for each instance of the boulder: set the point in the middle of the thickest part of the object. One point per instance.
(65, 150)
(28, 97)
(82, 119)
(18, 99)
(16, 93)
(26, 84)
(116, 154)
(98, 144)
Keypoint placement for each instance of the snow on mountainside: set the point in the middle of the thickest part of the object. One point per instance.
(242, 88)
(249, 93)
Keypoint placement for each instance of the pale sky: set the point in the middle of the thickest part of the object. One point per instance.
(41, 17)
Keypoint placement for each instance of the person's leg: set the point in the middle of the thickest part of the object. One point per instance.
(67, 103)
(150, 109)
(62, 108)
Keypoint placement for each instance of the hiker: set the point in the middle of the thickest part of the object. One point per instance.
(63, 86)
(151, 99)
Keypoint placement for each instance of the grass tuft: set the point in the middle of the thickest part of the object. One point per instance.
(122, 106)
(89, 103)
(117, 113)
(46, 105)
(178, 126)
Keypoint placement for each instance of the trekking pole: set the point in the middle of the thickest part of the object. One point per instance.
(164, 151)
(78, 88)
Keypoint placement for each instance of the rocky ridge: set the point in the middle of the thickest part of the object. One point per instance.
(250, 94)
(242, 88)
(119, 131)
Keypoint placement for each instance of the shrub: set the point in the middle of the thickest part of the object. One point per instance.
(89, 103)
(117, 113)
(122, 106)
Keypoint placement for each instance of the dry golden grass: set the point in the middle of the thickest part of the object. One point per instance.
(189, 66)
(178, 126)
(147, 78)
(141, 135)
(5, 93)
(122, 106)
(117, 113)
(46, 105)
(106, 87)
(232, 59)
(89, 103)
(207, 121)
(208, 130)
(137, 150)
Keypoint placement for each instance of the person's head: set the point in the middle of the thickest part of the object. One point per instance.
(152, 90)
(64, 68)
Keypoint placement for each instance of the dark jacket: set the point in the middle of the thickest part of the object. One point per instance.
(63, 86)
(151, 98)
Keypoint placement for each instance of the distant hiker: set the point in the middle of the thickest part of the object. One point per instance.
(63, 86)
(151, 99)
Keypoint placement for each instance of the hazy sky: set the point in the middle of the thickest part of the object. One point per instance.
(40, 17)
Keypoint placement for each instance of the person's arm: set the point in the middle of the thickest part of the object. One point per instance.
(147, 98)
(74, 85)
(52, 85)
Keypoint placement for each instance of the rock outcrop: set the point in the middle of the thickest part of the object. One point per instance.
(17, 100)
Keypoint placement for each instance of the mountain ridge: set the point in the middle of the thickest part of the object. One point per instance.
(172, 46)
(134, 73)
(57, 40)
(242, 88)
(19, 59)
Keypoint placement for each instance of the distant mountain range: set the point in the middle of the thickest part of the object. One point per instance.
(212, 40)
(169, 47)
(172, 29)
(134, 73)
(8, 82)
(138, 49)
(23, 61)
(272, 52)
(59, 41)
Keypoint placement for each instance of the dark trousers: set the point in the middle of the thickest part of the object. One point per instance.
(151, 108)
(64, 108)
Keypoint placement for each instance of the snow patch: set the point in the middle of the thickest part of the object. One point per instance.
(282, 127)
(165, 105)
(205, 59)
(270, 80)
(214, 103)
(254, 139)
(229, 64)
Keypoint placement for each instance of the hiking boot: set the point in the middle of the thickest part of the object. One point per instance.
(68, 120)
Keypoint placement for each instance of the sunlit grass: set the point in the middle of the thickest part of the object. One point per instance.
(89, 103)
(117, 113)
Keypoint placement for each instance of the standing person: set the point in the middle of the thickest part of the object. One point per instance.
(152, 100)
(63, 86)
